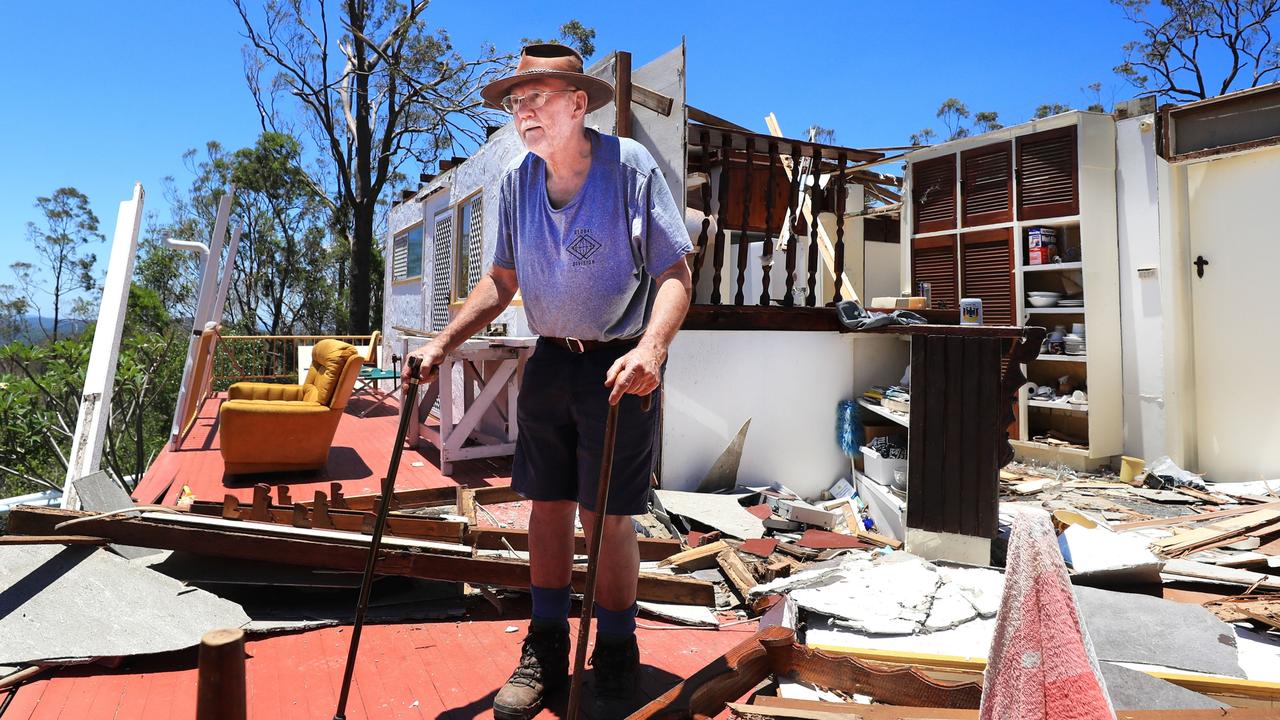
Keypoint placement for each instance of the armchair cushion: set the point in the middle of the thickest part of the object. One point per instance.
(328, 361)
(271, 391)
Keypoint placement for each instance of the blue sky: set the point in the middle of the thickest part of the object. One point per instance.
(107, 94)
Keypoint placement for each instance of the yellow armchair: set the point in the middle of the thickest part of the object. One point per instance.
(267, 427)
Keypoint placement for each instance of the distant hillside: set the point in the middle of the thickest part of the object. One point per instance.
(34, 328)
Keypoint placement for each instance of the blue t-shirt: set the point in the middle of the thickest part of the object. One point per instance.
(586, 270)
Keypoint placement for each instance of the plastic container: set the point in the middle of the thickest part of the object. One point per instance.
(880, 469)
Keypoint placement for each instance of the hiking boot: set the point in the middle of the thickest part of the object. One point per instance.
(617, 670)
(543, 669)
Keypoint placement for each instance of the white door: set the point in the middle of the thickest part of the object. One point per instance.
(1234, 209)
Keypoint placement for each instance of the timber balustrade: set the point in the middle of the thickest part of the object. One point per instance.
(765, 201)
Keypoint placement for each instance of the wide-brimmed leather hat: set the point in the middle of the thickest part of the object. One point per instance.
(549, 60)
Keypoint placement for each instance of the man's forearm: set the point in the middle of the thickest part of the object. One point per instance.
(485, 303)
(669, 309)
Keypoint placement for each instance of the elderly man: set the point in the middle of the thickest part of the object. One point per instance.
(589, 231)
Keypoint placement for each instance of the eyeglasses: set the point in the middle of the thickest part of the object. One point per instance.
(532, 101)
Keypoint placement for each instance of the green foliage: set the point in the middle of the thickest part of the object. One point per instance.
(68, 226)
(575, 35)
(40, 388)
(1196, 49)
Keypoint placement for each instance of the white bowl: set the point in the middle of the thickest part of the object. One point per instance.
(1041, 302)
(1043, 293)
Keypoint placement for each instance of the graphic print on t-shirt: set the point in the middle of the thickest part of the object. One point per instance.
(583, 247)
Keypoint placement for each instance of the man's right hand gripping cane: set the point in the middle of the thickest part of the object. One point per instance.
(432, 355)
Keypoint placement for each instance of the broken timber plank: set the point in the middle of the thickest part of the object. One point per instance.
(1202, 517)
(1234, 691)
(699, 558)
(51, 540)
(325, 553)
(275, 529)
(429, 497)
(765, 706)
(651, 549)
(740, 578)
(350, 520)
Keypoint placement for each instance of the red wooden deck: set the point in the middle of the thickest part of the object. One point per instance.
(358, 458)
(438, 671)
(447, 670)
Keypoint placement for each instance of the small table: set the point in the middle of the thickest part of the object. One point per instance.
(367, 384)
(489, 370)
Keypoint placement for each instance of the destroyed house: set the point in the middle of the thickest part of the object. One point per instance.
(837, 529)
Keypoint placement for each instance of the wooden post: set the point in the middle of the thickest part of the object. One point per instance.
(793, 212)
(740, 297)
(838, 262)
(815, 207)
(220, 687)
(726, 144)
(769, 228)
(204, 303)
(99, 379)
(701, 256)
(622, 93)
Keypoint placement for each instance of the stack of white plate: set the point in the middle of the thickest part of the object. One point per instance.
(1043, 299)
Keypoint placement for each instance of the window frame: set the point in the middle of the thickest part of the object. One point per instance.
(404, 233)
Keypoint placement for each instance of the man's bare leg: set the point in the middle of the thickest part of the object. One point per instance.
(619, 561)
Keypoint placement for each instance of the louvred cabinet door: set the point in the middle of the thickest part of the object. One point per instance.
(986, 272)
(933, 194)
(1048, 184)
(933, 260)
(986, 185)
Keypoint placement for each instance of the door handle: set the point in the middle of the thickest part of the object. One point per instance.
(1200, 263)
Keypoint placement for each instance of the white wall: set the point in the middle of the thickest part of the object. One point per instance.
(881, 275)
(1141, 330)
(787, 383)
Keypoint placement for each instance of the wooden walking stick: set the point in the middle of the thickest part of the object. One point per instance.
(593, 553)
(388, 489)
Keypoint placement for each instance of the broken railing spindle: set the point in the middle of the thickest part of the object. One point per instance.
(840, 189)
(769, 228)
(815, 207)
(740, 298)
(726, 144)
(793, 210)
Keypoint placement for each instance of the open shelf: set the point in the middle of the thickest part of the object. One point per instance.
(1055, 311)
(1053, 266)
(1058, 405)
(902, 419)
(1064, 358)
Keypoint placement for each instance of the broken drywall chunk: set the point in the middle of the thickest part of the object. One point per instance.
(692, 615)
(722, 512)
(982, 587)
(1102, 557)
(59, 603)
(891, 596)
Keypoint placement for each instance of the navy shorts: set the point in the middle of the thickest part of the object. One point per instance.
(561, 417)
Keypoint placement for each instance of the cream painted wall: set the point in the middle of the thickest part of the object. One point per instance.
(1141, 329)
(787, 383)
(881, 275)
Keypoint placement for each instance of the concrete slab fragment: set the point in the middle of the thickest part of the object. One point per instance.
(82, 602)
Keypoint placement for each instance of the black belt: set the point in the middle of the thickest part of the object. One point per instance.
(574, 345)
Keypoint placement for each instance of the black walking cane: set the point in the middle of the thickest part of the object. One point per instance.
(593, 553)
(384, 506)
